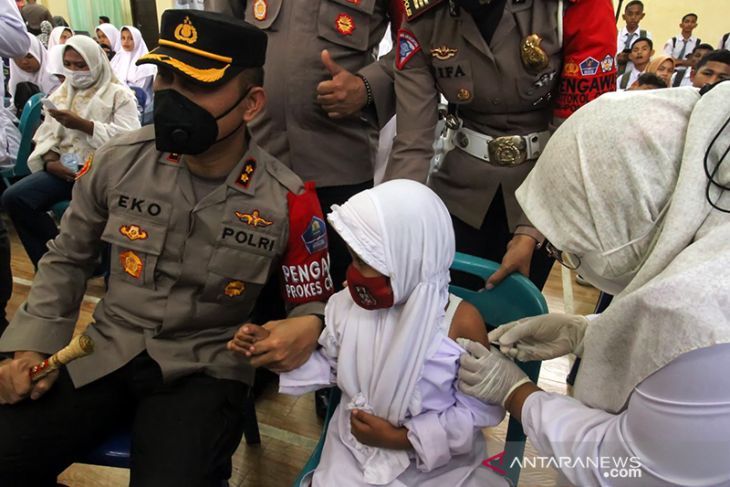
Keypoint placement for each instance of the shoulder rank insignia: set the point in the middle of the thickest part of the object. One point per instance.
(131, 263)
(407, 47)
(416, 8)
(234, 288)
(133, 232)
(247, 172)
(443, 53)
(534, 58)
(85, 168)
(254, 219)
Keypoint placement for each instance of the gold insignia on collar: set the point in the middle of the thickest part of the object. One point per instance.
(443, 53)
(186, 32)
(533, 56)
(254, 219)
(234, 288)
(133, 232)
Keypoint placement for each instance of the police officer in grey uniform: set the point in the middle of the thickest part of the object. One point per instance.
(199, 219)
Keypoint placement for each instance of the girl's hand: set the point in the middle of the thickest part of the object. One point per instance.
(374, 431)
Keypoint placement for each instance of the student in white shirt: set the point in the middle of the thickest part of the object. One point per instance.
(724, 42)
(641, 52)
(633, 190)
(680, 47)
(684, 77)
(711, 69)
(633, 14)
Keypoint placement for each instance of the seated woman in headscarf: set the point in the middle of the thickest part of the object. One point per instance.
(123, 64)
(109, 39)
(663, 67)
(28, 75)
(389, 345)
(633, 191)
(92, 106)
(56, 40)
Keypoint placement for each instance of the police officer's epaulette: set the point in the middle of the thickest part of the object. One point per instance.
(284, 175)
(416, 8)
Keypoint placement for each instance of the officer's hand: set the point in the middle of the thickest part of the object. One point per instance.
(344, 94)
(289, 345)
(15, 384)
(516, 259)
(60, 171)
(246, 336)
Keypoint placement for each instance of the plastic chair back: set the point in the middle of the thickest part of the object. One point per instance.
(516, 297)
(29, 122)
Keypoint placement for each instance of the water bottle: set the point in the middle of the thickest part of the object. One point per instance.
(70, 161)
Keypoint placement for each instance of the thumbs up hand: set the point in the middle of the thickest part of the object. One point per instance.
(344, 94)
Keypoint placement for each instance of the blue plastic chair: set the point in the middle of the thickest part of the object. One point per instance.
(29, 122)
(516, 297)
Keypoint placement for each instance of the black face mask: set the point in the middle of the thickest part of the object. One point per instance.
(184, 127)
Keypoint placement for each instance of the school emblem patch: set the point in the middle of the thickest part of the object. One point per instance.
(131, 263)
(345, 24)
(315, 235)
(186, 32)
(408, 46)
(607, 63)
(247, 172)
(254, 219)
(589, 66)
(234, 288)
(133, 232)
(85, 168)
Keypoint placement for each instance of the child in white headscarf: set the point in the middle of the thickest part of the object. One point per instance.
(123, 63)
(109, 36)
(31, 68)
(56, 40)
(91, 107)
(389, 346)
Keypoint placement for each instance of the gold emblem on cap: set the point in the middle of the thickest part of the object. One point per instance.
(186, 32)
(533, 56)
(260, 9)
(463, 95)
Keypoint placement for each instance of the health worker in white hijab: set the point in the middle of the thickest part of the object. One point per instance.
(633, 192)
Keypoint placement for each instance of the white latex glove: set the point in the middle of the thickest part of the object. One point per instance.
(541, 337)
(487, 374)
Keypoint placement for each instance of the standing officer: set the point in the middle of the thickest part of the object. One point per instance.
(199, 219)
(508, 69)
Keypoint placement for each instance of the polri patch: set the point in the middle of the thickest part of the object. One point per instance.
(345, 24)
(133, 232)
(254, 218)
(131, 263)
(260, 9)
(315, 235)
(234, 288)
(408, 47)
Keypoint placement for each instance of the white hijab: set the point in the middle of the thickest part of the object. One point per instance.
(403, 230)
(623, 184)
(42, 78)
(55, 51)
(113, 35)
(123, 63)
(55, 38)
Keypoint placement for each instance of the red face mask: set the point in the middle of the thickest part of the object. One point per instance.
(369, 292)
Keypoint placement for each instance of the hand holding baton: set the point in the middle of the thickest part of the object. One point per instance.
(80, 346)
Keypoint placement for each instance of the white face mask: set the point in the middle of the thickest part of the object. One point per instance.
(79, 79)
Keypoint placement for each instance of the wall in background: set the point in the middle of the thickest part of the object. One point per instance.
(663, 18)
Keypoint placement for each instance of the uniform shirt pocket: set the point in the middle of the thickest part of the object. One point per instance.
(454, 79)
(135, 248)
(346, 23)
(233, 274)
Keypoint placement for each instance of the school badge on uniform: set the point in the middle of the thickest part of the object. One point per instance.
(345, 24)
(315, 235)
(260, 9)
(234, 288)
(131, 263)
(589, 66)
(607, 63)
(254, 219)
(133, 232)
(186, 32)
(534, 58)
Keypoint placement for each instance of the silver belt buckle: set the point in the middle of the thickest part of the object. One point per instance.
(507, 151)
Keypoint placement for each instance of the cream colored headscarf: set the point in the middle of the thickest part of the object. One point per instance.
(622, 184)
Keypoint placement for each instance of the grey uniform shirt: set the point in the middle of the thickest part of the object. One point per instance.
(184, 274)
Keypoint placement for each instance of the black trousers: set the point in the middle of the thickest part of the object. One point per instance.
(6, 275)
(339, 256)
(490, 242)
(183, 432)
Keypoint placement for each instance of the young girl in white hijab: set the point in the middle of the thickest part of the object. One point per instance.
(31, 68)
(123, 64)
(108, 35)
(92, 106)
(56, 40)
(389, 346)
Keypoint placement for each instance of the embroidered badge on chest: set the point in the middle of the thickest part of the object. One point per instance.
(407, 47)
(589, 66)
(345, 24)
(131, 263)
(607, 63)
(443, 53)
(260, 9)
(247, 172)
(234, 288)
(315, 236)
(133, 232)
(254, 219)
